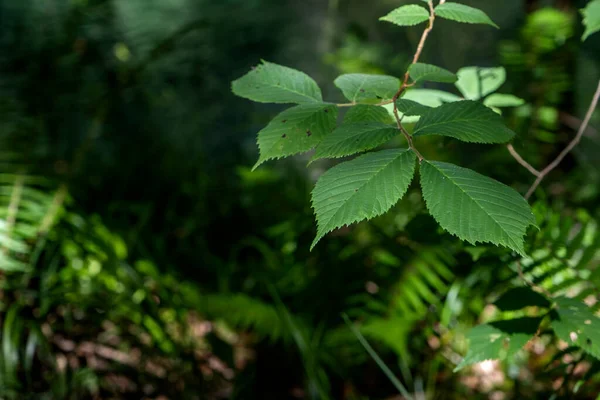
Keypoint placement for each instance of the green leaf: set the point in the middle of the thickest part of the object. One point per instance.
(296, 130)
(468, 121)
(430, 97)
(272, 83)
(407, 15)
(521, 297)
(411, 108)
(575, 323)
(498, 340)
(503, 100)
(354, 138)
(367, 113)
(363, 188)
(591, 18)
(426, 72)
(474, 207)
(475, 83)
(462, 13)
(366, 88)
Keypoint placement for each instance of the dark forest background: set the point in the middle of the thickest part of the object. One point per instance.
(141, 258)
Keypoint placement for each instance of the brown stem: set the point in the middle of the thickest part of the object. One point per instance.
(570, 146)
(405, 83)
(521, 161)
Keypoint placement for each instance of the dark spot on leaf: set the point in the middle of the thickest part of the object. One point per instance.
(362, 90)
(284, 136)
(284, 121)
(308, 133)
(379, 97)
(356, 190)
(326, 110)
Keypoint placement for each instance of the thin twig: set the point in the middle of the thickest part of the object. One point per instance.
(570, 146)
(406, 84)
(521, 161)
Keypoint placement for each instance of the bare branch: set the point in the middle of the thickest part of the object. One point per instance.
(570, 146)
(521, 161)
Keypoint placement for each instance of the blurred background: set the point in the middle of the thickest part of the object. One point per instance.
(141, 258)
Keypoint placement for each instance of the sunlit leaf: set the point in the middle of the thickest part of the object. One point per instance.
(475, 83)
(409, 15)
(366, 88)
(575, 323)
(591, 18)
(272, 83)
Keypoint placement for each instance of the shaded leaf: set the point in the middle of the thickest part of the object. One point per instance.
(575, 323)
(474, 207)
(426, 72)
(368, 113)
(366, 88)
(411, 108)
(409, 15)
(521, 297)
(296, 130)
(273, 83)
(498, 340)
(468, 121)
(462, 13)
(363, 188)
(354, 138)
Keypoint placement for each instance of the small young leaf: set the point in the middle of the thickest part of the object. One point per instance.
(475, 83)
(474, 207)
(367, 113)
(575, 323)
(407, 15)
(462, 13)
(354, 138)
(468, 121)
(296, 130)
(426, 72)
(272, 83)
(363, 188)
(503, 100)
(411, 108)
(521, 297)
(488, 341)
(365, 88)
(591, 18)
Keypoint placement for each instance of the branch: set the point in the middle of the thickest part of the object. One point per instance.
(521, 161)
(570, 146)
(405, 83)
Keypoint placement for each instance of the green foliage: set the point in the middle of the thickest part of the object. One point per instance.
(411, 108)
(361, 189)
(591, 18)
(462, 13)
(475, 83)
(426, 72)
(474, 207)
(519, 298)
(296, 130)
(367, 113)
(468, 121)
(272, 83)
(350, 139)
(575, 323)
(407, 15)
(363, 88)
(499, 339)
